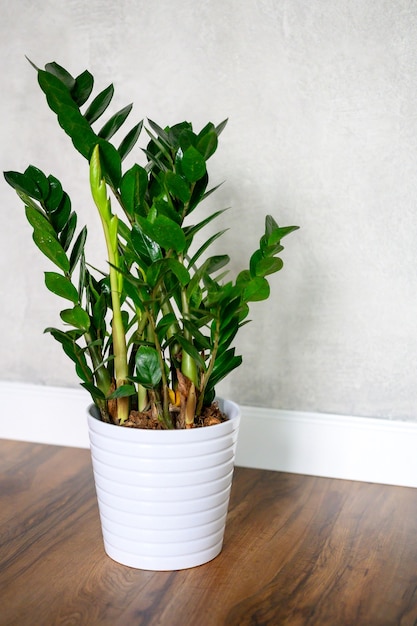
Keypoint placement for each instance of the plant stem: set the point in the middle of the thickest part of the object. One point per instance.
(110, 223)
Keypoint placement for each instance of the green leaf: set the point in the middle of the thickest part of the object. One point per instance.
(99, 104)
(61, 73)
(129, 141)
(45, 238)
(55, 194)
(268, 265)
(193, 164)
(165, 232)
(83, 87)
(221, 126)
(78, 248)
(123, 391)
(39, 178)
(278, 234)
(60, 216)
(23, 183)
(68, 231)
(207, 144)
(133, 187)
(61, 286)
(76, 317)
(114, 123)
(204, 247)
(224, 364)
(94, 391)
(111, 163)
(256, 289)
(177, 186)
(147, 249)
(190, 349)
(198, 337)
(164, 265)
(148, 371)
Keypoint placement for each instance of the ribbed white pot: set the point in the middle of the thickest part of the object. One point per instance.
(163, 495)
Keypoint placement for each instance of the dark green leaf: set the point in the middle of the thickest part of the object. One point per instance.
(99, 104)
(61, 286)
(177, 186)
(23, 183)
(204, 247)
(61, 73)
(148, 370)
(193, 164)
(45, 238)
(147, 249)
(68, 231)
(202, 342)
(114, 123)
(133, 187)
(55, 194)
(130, 140)
(83, 87)
(60, 216)
(165, 232)
(94, 391)
(111, 163)
(78, 248)
(190, 349)
(123, 392)
(39, 178)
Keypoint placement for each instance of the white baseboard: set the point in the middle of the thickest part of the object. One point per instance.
(333, 446)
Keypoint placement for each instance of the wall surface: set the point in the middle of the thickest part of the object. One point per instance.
(321, 98)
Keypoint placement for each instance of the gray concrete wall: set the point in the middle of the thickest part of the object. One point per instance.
(322, 102)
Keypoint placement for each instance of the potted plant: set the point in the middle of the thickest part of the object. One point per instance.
(151, 333)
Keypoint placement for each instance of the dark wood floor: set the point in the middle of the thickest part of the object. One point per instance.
(298, 550)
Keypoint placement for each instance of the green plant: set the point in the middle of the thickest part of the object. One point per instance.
(154, 329)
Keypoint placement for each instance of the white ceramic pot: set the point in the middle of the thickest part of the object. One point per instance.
(163, 495)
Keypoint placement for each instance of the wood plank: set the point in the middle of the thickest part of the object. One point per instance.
(298, 550)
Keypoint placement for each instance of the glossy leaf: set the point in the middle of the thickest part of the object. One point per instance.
(147, 249)
(193, 164)
(78, 248)
(23, 183)
(123, 391)
(133, 187)
(76, 317)
(207, 144)
(61, 286)
(114, 123)
(83, 87)
(68, 231)
(39, 178)
(45, 238)
(62, 74)
(148, 370)
(165, 232)
(99, 104)
(130, 140)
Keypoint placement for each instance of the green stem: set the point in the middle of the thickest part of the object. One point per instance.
(110, 223)
(210, 367)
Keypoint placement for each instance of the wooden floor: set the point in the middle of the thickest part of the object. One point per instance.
(298, 550)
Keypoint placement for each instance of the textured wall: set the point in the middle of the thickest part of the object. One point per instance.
(322, 102)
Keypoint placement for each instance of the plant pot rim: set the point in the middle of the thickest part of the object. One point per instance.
(232, 410)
